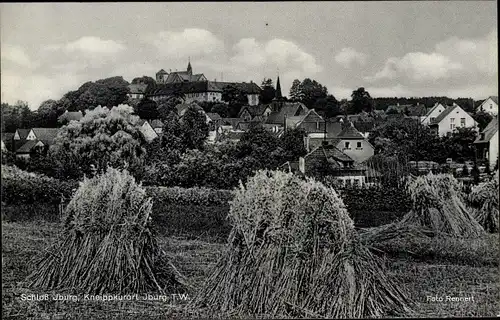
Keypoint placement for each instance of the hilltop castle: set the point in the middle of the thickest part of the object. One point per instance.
(179, 76)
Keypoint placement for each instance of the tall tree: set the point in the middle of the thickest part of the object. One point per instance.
(166, 107)
(361, 101)
(16, 116)
(482, 118)
(147, 109)
(235, 99)
(292, 142)
(296, 91)
(311, 91)
(328, 107)
(144, 80)
(46, 116)
(221, 109)
(268, 91)
(195, 128)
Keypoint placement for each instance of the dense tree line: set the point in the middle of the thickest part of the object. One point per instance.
(398, 137)
(468, 104)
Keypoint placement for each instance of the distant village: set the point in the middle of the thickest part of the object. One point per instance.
(342, 141)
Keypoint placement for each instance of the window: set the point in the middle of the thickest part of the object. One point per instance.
(347, 145)
(356, 182)
(317, 125)
(452, 126)
(452, 120)
(358, 145)
(462, 122)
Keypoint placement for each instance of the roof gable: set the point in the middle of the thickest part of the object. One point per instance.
(29, 146)
(350, 132)
(47, 135)
(21, 134)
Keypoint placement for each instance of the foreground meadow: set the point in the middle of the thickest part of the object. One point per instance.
(432, 271)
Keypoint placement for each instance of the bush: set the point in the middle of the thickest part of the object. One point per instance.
(22, 187)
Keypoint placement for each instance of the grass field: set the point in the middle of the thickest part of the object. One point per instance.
(437, 276)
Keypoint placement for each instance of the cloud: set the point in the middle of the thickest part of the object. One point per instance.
(347, 56)
(418, 66)
(451, 59)
(284, 54)
(189, 42)
(16, 55)
(249, 52)
(35, 88)
(89, 45)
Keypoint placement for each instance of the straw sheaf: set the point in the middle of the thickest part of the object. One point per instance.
(106, 245)
(294, 252)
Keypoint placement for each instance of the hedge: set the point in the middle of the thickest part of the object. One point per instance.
(193, 221)
(190, 196)
(376, 199)
(22, 187)
(192, 211)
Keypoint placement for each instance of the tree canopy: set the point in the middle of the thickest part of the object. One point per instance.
(235, 98)
(360, 101)
(268, 91)
(101, 138)
(107, 92)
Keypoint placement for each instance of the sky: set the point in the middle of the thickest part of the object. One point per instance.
(396, 48)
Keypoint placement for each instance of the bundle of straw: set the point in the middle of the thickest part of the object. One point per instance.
(484, 201)
(437, 209)
(294, 252)
(107, 245)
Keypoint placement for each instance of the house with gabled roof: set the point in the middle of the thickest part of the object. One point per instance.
(354, 144)
(490, 105)
(280, 110)
(486, 143)
(259, 112)
(340, 165)
(137, 90)
(451, 118)
(19, 138)
(46, 135)
(30, 146)
(433, 113)
(157, 126)
(147, 131)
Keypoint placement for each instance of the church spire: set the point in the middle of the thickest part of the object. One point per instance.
(278, 89)
(189, 68)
